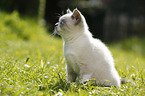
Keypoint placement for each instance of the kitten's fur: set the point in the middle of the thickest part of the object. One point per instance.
(86, 58)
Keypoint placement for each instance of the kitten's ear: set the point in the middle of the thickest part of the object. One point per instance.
(76, 16)
(68, 11)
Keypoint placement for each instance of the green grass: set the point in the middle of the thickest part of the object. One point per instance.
(32, 62)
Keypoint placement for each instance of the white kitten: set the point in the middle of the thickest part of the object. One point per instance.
(86, 58)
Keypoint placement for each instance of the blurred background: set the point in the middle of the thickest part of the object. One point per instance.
(108, 20)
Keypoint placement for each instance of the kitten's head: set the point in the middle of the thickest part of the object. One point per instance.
(71, 23)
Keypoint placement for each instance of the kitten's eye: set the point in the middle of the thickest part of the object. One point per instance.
(62, 22)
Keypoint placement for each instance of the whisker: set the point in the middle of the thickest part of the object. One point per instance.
(62, 12)
(53, 34)
(58, 15)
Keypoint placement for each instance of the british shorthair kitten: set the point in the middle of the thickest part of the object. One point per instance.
(86, 58)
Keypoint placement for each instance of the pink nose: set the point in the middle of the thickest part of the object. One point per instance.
(56, 24)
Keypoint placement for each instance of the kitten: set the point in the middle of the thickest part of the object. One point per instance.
(86, 58)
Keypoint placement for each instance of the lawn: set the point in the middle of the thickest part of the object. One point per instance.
(32, 62)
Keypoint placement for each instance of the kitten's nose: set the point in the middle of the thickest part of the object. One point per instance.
(56, 24)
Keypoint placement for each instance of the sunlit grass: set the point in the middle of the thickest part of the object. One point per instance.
(32, 62)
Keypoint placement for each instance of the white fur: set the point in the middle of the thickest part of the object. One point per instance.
(86, 58)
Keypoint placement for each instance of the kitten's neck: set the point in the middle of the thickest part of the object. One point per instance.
(75, 37)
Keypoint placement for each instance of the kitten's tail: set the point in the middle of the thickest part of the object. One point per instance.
(124, 81)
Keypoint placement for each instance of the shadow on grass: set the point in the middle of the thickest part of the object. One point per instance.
(61, 84)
